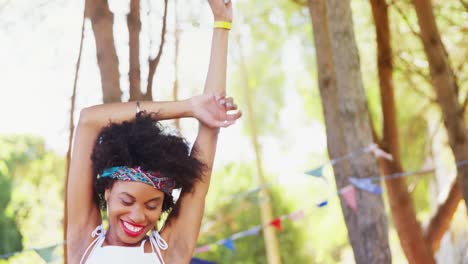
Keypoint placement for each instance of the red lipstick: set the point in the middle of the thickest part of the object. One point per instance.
(131, 229)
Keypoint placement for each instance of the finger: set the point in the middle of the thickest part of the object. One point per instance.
(224, 123)
(234, 116)
(222, 101)
(229, 102)
(232, 107)
(219, 97)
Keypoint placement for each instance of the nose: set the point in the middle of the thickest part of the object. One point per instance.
(137, 215)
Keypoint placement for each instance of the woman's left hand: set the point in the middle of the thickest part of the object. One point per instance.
(222, 10)
(214, 111)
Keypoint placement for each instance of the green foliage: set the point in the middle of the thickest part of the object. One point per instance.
(268, 72)
(31, 195)
(228, 213)
(10, 237)
(320, 237)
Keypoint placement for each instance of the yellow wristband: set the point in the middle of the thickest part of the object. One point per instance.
(222, 24)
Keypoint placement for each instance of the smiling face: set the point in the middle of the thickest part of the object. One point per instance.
(134, 208)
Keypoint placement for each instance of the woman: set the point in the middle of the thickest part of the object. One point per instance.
(130, 167)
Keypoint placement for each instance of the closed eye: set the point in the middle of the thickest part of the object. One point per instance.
(152, 207)
(126, 203)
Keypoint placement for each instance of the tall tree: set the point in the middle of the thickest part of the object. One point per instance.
(408, 228)
(345, 110)
(175, 85)
(134, 28)
(153, 63)
(446, 89)
(102, 21)
(266, 212)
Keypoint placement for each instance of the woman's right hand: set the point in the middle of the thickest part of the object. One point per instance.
(214, 111)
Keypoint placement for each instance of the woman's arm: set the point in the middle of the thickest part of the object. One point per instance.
(182, 232)
(100, 115)
(83, 214)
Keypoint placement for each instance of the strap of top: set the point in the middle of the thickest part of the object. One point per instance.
(100, 234)
(157, 243)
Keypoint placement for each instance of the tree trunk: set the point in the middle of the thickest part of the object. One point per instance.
(345, 110)
(134, 28)
(443, 81)
(153, 63)
(175, 86)
(102, 21)
(404, 216)
(440, 222)
(266, 213)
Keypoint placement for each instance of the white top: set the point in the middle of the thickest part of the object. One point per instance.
(124, 255)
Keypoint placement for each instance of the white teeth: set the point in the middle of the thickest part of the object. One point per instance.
(132, 228)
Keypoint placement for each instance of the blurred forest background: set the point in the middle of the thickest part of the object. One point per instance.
(313, 88)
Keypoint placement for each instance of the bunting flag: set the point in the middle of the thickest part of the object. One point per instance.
(203, 249)
(371, 148)
(378, 152)
(47, 253)
(322, 204)
(366, 185)
(276, 223)
(250, 232)
(253, 231)
(296, 215)
(247, 193)
(229, 243)
(317, 172)
(349, 196)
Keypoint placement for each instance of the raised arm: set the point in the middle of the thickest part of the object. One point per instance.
(183, 231)
(83, 214)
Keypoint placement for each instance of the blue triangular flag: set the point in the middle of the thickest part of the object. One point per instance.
(322, 204)
(366, 185)
(229, 243)
(47, 253)
(317, 172)
(200, 261)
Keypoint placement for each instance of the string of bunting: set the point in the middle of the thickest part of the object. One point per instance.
(255, 230)
(348, 193)
(318, 172)
(46, 253)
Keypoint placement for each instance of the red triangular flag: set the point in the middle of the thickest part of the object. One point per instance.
(277, 224)
(349, 195)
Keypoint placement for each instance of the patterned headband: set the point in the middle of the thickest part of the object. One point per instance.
(136, 174)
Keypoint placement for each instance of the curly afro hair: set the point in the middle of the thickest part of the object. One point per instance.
(143, 142)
